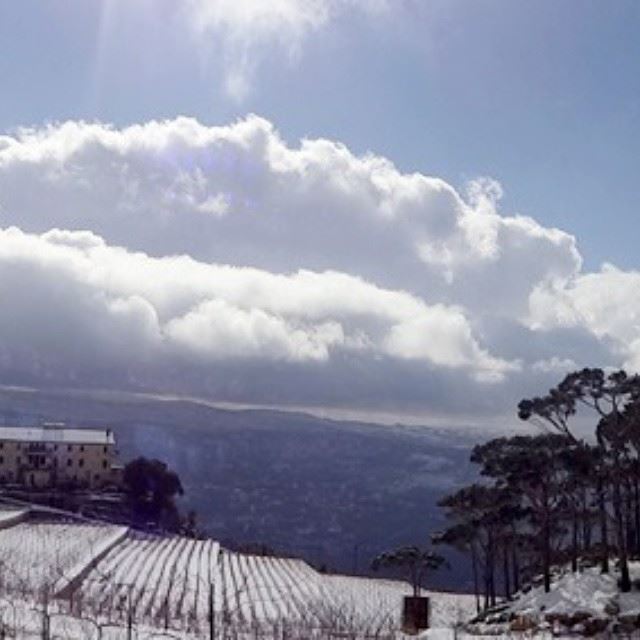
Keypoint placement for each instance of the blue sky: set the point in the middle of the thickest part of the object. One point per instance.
(358, 283)
(543, 96)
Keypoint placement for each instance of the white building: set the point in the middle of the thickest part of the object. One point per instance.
(54, 455)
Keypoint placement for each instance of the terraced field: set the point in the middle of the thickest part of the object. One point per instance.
(117, 577)
(36, 556)
(158, 579)
(174, 582)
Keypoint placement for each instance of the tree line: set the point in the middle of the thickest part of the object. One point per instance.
(559, 497)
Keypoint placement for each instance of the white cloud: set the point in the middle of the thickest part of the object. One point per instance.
(606, 303)
(240, 195)
(217, 330)
(204, 245)
(444, 337)
(247, 28)
(129, 307)
(555, 365)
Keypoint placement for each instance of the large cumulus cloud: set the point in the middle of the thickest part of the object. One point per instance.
(225, 260)
(73, 303)
(240, 195)
(606, 303)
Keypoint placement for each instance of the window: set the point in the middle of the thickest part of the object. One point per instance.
(104, 463)
(1, 445)
(18, 460)
(1, 459)
(69, 447)
(81, 447)
(69, 462)
(105, 449)
(81, 462)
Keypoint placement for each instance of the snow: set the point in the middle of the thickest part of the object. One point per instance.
(375, 598)
(99, 575)
(575, 600)
(587, 592)
(159, 578)
(57, 434)
(36, 555)
(9, 517)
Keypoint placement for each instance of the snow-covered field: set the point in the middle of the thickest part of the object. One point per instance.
(10, 516)
(110, 577)
(45, 555)
(153, 578)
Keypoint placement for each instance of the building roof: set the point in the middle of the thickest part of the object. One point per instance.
(57, 434)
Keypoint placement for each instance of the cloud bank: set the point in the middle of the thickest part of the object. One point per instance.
(65, 292)
(227, 261)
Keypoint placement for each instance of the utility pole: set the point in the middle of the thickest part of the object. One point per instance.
(356, 547)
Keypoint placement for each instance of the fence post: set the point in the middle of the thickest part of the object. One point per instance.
(129, 618)
(212, 613)
(45, 625)
(45, 615)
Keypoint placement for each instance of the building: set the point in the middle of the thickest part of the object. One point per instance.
(55, 456)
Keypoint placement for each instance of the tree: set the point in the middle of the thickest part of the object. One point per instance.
(461, 536)
(151, 488)
(533, 467)
(412, 560)
(611, 396)
(484, 521)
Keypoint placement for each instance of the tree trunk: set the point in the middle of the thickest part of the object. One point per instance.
(487, 588)
(474, 566)
(491, 567)
(625, 580)
(586, 521)
(574, 542)
(505, 566)
(604, 534)
(546, 541)
(546, 555)
(415, 581)
(628, 517)
(636, 495)
(515, 567)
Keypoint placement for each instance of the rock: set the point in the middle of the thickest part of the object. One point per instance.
(629, 622)
(594, 626)
(612, 608)
(522, 623)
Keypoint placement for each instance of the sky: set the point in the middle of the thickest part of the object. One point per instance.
(392, 207)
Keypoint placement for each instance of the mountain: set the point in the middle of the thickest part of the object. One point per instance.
(333, 492)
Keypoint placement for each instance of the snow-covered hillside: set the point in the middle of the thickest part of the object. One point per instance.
(72, 570)
(585, 603)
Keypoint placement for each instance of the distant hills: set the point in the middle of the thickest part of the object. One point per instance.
(333, 492)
